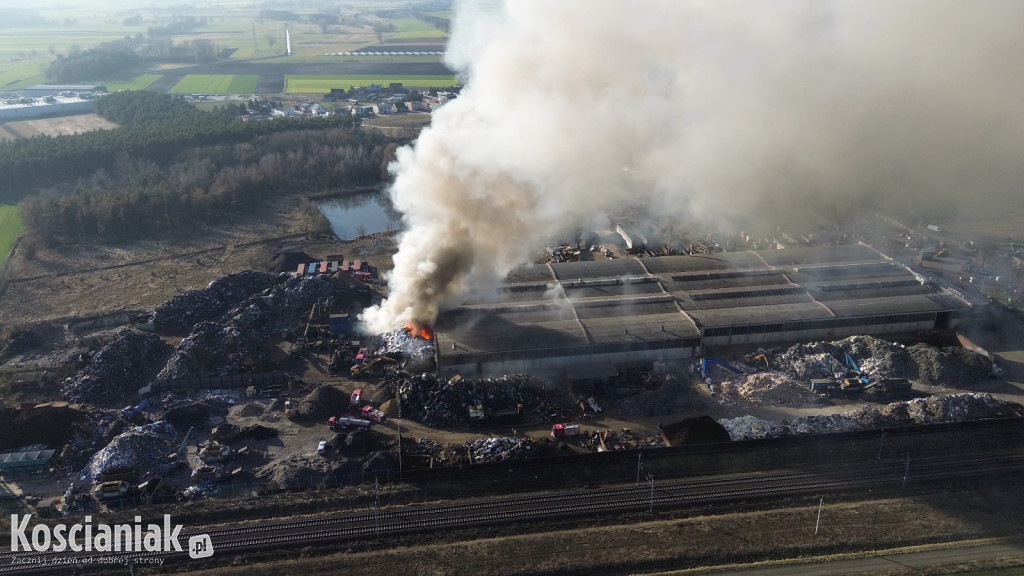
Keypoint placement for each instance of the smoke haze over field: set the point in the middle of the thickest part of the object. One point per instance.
(705, 110)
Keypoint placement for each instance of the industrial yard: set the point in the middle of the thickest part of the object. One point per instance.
(225, 392)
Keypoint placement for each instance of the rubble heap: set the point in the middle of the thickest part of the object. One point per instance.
(117, 369)
(399, 344)
(143, 448)
(500, 449)
(212, 350)
(440, 403)
(322, 403)
(934, 409)
(49, 425)
(670, 397)
(952, 367)
(766, 389)
(183, 312)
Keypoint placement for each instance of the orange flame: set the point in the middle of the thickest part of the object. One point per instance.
(426, 333)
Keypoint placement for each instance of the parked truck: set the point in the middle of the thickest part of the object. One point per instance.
(345, 422)
(373, 414)
(564, 430)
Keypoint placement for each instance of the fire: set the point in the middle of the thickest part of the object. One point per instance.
(426, 333)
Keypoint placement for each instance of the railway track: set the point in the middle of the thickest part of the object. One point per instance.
(642, 497)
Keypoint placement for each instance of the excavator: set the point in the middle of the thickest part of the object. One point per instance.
(757, 359)
(359, 369)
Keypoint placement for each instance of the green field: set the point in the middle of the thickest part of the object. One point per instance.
(323, 84)
(216, 84)
(413, 28)
(10, 227)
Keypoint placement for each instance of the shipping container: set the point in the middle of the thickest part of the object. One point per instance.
(323, 267)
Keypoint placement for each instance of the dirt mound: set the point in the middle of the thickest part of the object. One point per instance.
(257, 432)
(322, 403)
(288, 261)
(248, 410)
(294, 472)
(952, 367)
(671, 396)
(49, 425)
(192, 414)
(700, 430)
(30, 338)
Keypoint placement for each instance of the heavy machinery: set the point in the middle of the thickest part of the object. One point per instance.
(707, 363)
(857, 373)
(208, 473)
(190, 435)
(359, 369)
(564, 430)
(112, 489)
(355, 401)
(373, 414)
(289, 411)
(757, 360)
(344, 422)
(214, 452)
(128, 412)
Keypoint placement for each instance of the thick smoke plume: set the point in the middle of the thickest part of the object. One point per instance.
(705, 110)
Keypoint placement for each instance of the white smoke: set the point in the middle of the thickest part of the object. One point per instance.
(707, 110)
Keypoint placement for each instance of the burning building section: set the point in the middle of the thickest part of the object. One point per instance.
(590, 317)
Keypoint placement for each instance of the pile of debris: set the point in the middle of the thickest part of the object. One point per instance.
(500, 449)
(766, 389)
(440, 403)
(216, 350)
(181, 313)
(934, 409)
(30, 338)
(46, 424)
(952, 367)
(117, 369)
(300, 471)
(671, 396)
(699, 430)
(143, 448)
(417, 353)
(322, 403)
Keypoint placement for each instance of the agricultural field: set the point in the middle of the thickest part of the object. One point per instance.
(216, 84)
(56, 126)
(10, 227)
(324, 84)
(413, 28)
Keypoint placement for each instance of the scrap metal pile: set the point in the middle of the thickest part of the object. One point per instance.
(143, 448)
(115, 372)
(181, 313)
(935, 409)
(446, 404)
(500, 449)
(786, 383)
(672, 395)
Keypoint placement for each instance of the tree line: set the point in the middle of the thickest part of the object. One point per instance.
(153, 126)
(138, 198)
(118, 57)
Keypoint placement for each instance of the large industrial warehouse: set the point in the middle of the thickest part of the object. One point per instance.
(590, 318)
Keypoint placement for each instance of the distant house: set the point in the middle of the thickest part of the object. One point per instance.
(285, 113)
(361, 111)
(385, 108)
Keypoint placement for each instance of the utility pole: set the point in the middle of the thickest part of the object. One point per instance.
(650, 477)
(906, 472)
(639, 457)
(821, 503)
(376, 505)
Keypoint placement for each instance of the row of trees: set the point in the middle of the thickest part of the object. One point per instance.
(138, 198)
(153, 126)
(118, 57)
